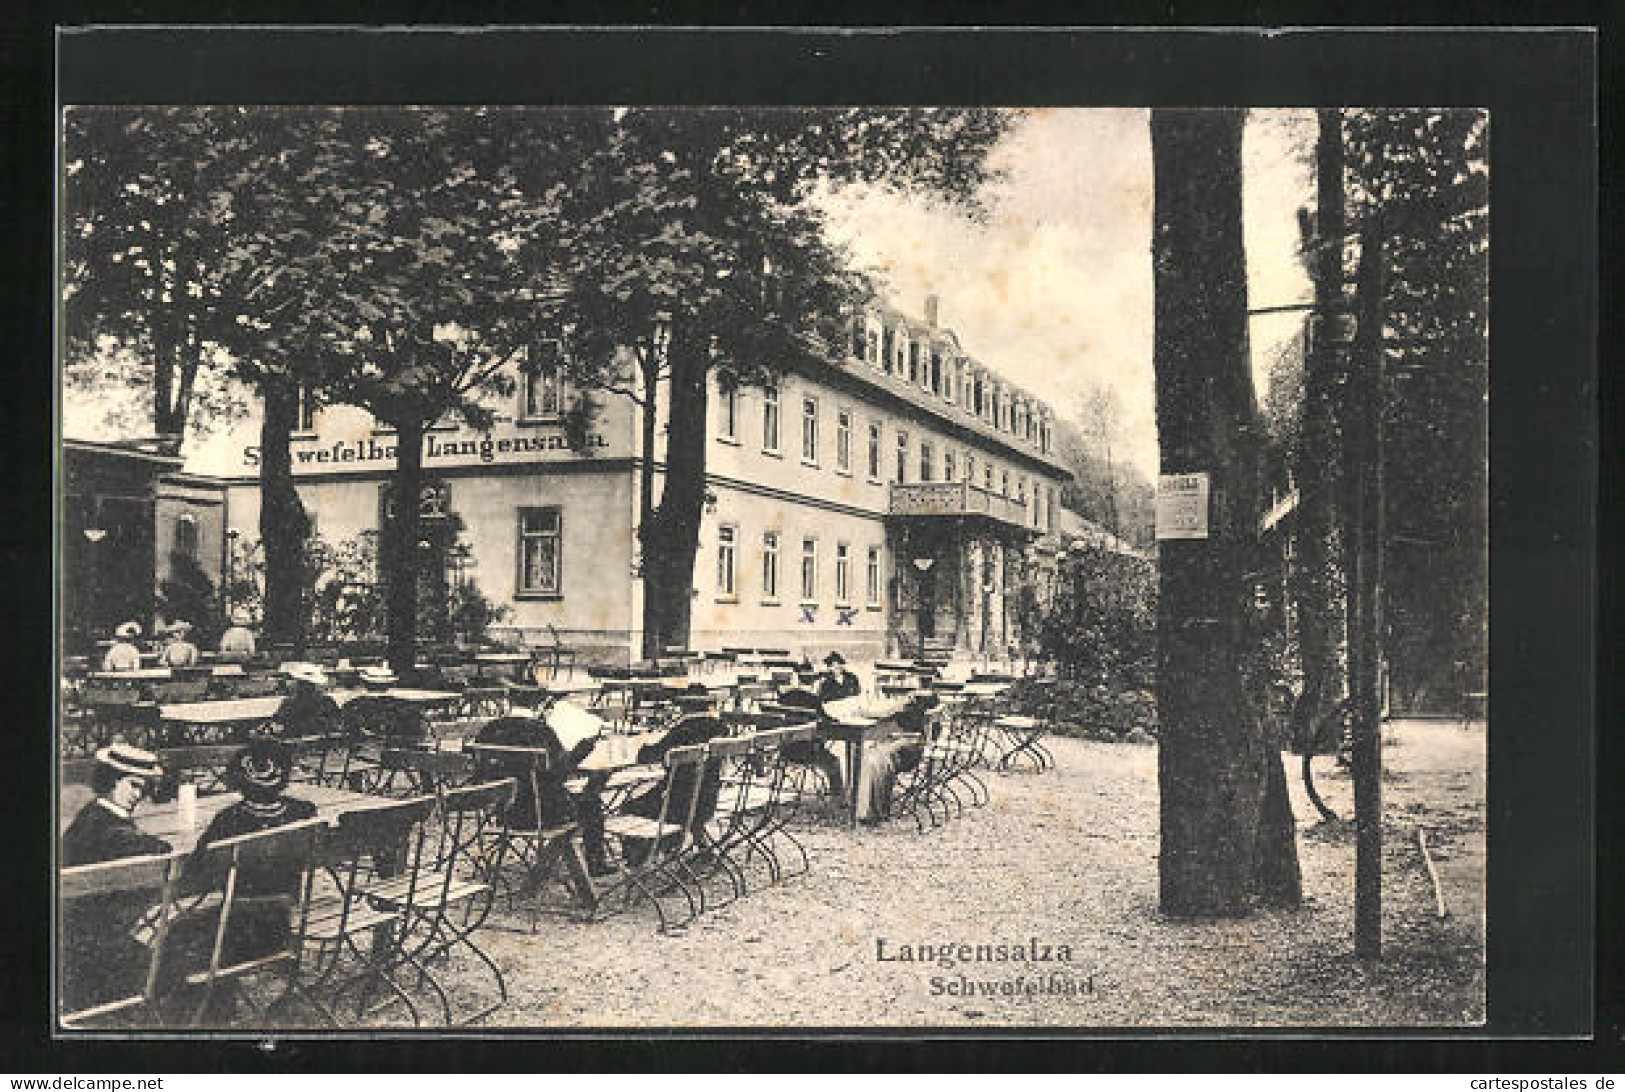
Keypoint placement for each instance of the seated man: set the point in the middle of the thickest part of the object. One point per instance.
(688, 732)
(101, 961)
(123, 655)
(567, 734)
(179, 652)
(834, 684)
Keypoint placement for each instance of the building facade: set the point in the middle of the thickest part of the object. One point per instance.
(897, 495)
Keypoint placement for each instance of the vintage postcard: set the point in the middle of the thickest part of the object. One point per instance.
(631, 567)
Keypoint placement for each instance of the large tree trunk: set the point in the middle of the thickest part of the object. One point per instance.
(671, 534)
(646, 487)
(1228, 838)
(398, 556)
(283, 522)
(1317, 579)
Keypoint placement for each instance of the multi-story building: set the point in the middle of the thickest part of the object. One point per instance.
(864, 503)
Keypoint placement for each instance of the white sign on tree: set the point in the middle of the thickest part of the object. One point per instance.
(1182, 506)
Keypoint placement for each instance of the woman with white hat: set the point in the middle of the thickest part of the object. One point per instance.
(179, 652)
(308, 710)
(100, 959)
(123, 655)
(105, 829)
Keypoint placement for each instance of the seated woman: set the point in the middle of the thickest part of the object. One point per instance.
(307, 711)
(101, 960)
(179, 652)
(895, 754)
(123, 655)
(268, 886)
(237, 643)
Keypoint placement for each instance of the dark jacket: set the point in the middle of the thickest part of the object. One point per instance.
(687, 733)
(101, 961)
(308, 712)
(559, 766)
(97, 834)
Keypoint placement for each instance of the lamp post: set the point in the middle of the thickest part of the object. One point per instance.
(231, 562)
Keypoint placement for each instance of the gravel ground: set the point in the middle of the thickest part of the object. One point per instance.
(1065, 860)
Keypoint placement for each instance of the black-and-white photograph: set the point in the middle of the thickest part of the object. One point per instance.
(640, 567)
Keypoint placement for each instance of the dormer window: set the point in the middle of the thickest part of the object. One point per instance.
(936, 373)
(872, 355)
(913, 359)
(886, 343)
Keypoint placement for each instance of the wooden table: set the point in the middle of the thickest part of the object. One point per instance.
(165, 820)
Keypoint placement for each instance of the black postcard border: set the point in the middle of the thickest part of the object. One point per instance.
(1540, 88)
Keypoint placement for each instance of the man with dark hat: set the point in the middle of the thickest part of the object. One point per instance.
(105, 830)
(834, 683)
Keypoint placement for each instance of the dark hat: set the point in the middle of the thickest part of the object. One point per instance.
(260, 771)
(835, 658)
(130, 761)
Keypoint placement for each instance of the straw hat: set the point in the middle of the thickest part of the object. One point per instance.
(377, 675)
(129, 760)
(126, 630)
(180, 627)
(305, 672)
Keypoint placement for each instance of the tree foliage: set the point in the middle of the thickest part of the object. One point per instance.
(1420, 179)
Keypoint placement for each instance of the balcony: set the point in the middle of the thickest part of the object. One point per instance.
(955, 499)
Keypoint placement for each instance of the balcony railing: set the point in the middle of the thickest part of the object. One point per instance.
(955, 499)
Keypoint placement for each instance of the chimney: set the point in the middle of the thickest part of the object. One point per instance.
(931, 310)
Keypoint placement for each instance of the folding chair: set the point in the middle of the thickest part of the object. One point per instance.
(414, 773)
(372, 724)
(451, 897)
(105, 971)
(247, 906)
(367, 849)
(536, 844)
(652, 848)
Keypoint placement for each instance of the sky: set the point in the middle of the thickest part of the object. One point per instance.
(1054, 290)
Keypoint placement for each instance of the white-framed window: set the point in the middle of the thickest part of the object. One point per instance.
(1004, 485)
(727, 407)
(1049, 508)
(770, 418)
(928, 470)
(936, 373)
(872, 341)
(948, 468)
(809, 568)
(987, 477)
(872, 578)
(1021, 490)
(727, 535)
(843, 572)
(541, 388)
(809, 430)
(886, 342)
(902, 456)
(970, 468)
(541, 535)
(770, 565)
(914, 362)
(843, 440)
(874, 451)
